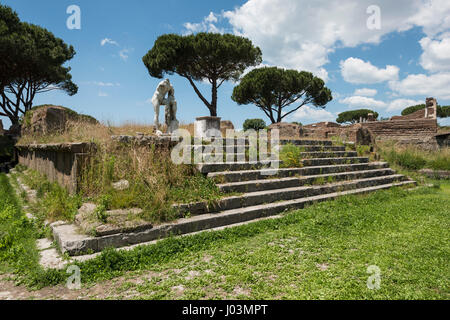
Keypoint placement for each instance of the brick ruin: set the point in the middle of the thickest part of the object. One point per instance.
(419, 128)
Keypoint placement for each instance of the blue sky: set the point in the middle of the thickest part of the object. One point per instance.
(386, 69)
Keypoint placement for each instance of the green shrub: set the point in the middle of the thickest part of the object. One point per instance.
(413, 158)
(290, 156)
(362, 150)
(104, 204)
(55, 201)
(58, 204)
(255, 124)
(408, 159)
(405, 158)
(440, 162)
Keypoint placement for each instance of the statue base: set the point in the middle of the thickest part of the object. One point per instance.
(207, 127)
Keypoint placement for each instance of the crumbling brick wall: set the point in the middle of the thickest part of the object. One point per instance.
(402, 129)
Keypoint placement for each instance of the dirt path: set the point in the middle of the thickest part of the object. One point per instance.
(103, 290)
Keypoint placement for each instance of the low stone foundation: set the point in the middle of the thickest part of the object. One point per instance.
(60, 162)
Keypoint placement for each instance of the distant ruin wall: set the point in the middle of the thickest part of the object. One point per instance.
(60, 163)
(402, 129)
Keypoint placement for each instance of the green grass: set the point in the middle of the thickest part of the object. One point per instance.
(154, 196)
(54, 202)
(411, 158)
(156, 183)
(290, 155)
(321, 252)
(17, 234)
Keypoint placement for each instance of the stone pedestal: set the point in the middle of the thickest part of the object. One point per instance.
(207, 127)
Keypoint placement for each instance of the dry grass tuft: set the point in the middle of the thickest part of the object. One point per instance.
(156, 183)
(413, 158)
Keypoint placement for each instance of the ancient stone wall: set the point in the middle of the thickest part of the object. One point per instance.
(402, 129)
(60, 163)
(287, 130)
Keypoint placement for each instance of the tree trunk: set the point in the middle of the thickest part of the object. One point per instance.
(213, 109)
(279, 114)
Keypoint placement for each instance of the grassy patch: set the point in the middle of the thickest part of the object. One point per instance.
(54, 202)
(413, 158)
(290, 155)
(155, 182)
(17, 233)
(321, 252)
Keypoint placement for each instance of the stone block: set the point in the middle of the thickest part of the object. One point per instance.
(207, 127)
(287, 130)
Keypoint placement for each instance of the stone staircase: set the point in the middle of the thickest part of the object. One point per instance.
(327, 171)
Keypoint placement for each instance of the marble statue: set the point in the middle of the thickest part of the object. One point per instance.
(159, 99)
(171, 112)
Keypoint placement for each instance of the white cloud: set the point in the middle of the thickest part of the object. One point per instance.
(432, 15)
(363, 102)
(400, 104)
(300, 34)
(435, 85)
(108, 41)
(124, 54)
(102, 84)
(370, 103)
(356, 71)
(212, 18)
(207, 25)
(311, 114)
(107, 84)
(366, 92)
(436, 54)
(102, 94)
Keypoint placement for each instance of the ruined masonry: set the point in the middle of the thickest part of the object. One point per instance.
(328, 171)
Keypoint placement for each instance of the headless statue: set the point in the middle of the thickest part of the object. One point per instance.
(159, 99)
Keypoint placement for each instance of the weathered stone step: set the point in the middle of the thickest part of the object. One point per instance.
(322, 148)
(71, 242)
(331, 161)
(307, 142)
(270, 196)
(240, 148)
(247, 175)
(232, 157)
(300, 142)
(335, 154)
(289, 182)
(208, 167)
(230, 166)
